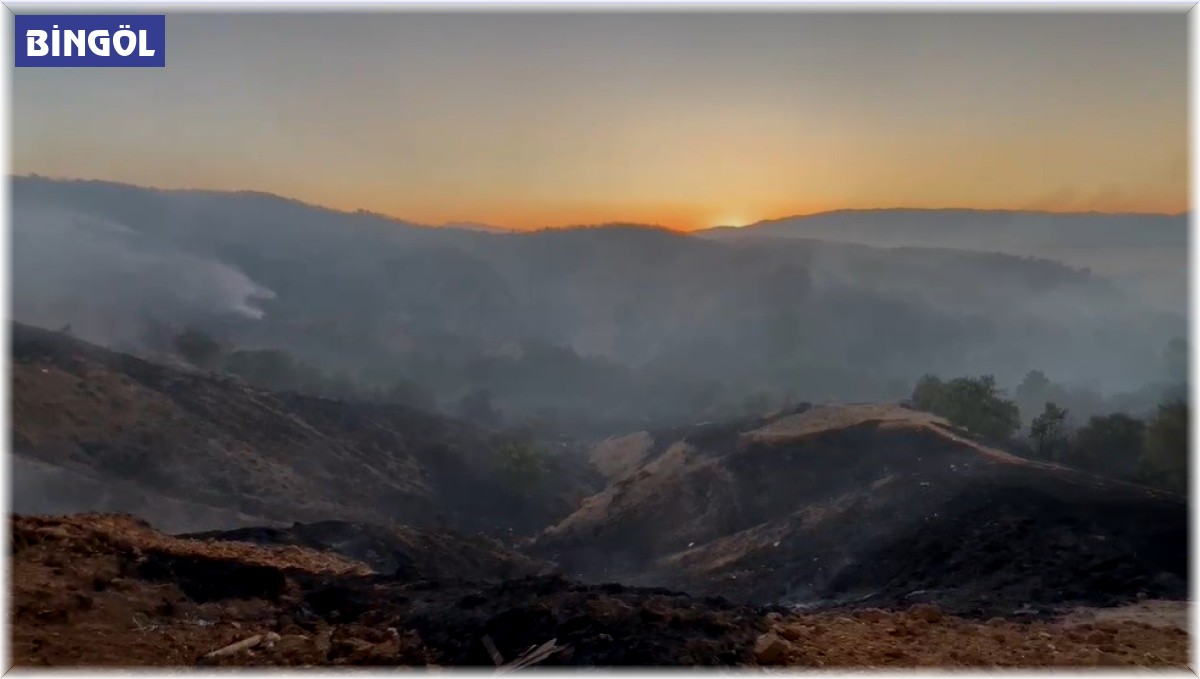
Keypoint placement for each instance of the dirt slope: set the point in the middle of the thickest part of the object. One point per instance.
(104, 420)
(873, 503)
(103, 590)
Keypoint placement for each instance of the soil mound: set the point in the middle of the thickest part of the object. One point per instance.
(874, 504)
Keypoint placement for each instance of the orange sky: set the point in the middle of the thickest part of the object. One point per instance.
(686, 121)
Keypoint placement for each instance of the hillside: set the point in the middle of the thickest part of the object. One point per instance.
(611, 327)
(171, 442)
(322, 532)
(869, 503)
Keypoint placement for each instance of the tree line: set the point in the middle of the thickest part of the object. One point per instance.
(1152, 451)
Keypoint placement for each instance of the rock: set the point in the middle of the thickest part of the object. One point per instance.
(770, 649)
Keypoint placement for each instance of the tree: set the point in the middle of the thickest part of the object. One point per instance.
(1037, 389)
(928, 393)
(1110, 445)
(1048, 433)
(198, 348)
(973, 403)
(1165, 462)
(1033, 387)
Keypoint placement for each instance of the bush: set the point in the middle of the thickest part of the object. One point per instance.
(975, 404)
(1165, 462)
(1110, 445)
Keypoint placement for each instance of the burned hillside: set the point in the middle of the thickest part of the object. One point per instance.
(874, 504)
(212, 441)
(320, 531)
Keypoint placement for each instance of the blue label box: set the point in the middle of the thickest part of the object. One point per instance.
(91, 40)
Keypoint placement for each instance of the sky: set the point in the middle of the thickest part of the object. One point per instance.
(681, 120)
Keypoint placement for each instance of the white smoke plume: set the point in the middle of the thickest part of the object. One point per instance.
(104, 279)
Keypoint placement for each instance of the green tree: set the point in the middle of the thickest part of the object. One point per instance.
(928, 393)
(1110, 445)
(1048, 433)
(973, 403)
(1165, 462)
(198, 348)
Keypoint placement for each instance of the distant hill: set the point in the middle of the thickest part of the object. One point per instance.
(1146, 250)
(476, 226)
(622, 324)
(974, 229)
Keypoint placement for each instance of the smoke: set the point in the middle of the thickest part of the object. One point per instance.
(105, 279)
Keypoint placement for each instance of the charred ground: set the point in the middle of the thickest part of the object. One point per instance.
(375, 534)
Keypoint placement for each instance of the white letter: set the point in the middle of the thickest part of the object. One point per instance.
(131, 41)
(102, 48)
(74, 38)
(142, 51)
(54, 41)
(35, 43)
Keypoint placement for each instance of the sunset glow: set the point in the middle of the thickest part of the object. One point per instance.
(684, 121)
